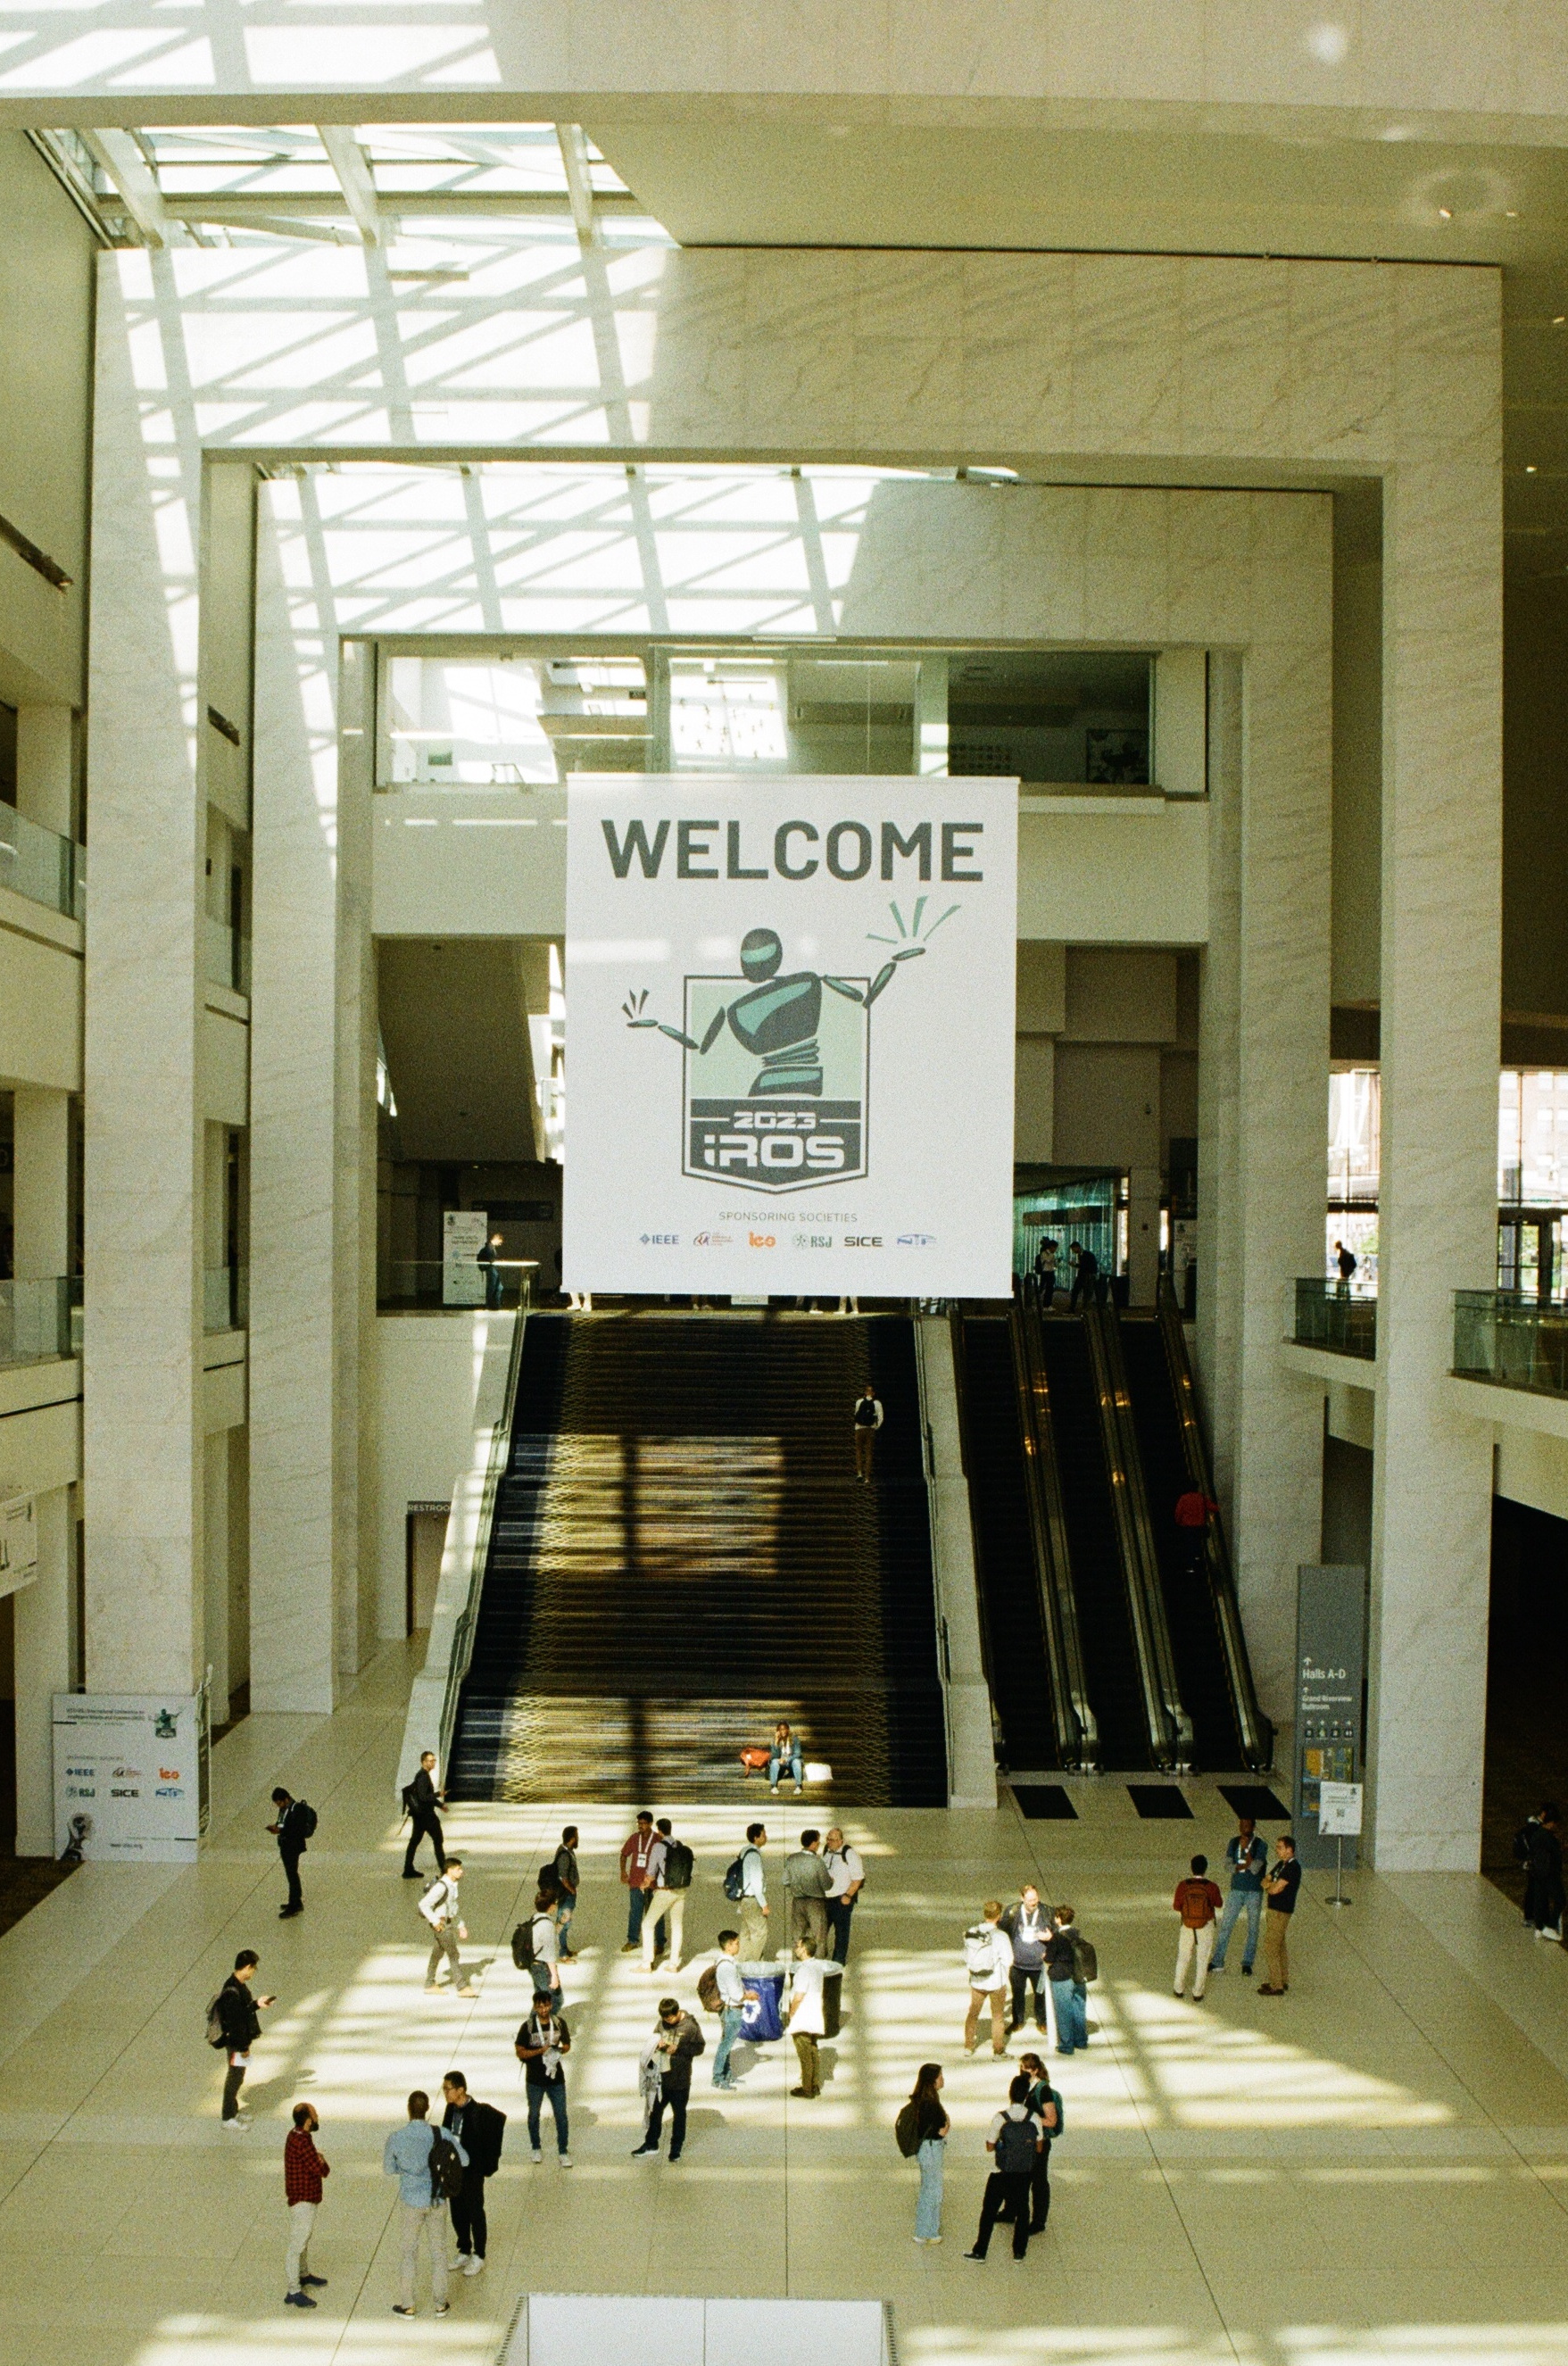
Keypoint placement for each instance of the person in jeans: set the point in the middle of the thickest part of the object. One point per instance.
(806, 1883)
(786, 1758)
(754, 1908)
(566, 1882)
(846, 1879)
(807, 2021)
(406, 2156)
(1014, 2147)
(421, 1799)
(541, 2046)
(733, 1995)
(303, 2170)
(1280, 1886)
(931, 2125)
(635, 1852)
(1069, 1996)
(439, 1907)
(1197, 1900)
(1027, 1927)
(482, 2130)
(1046, 2105)
(988, 1979)
(1248, 1861)
(240, 2010)
(677, 2042)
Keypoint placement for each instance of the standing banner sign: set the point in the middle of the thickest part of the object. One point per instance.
(19, 1543)
(129, 1766)
(790, 1035)
(463, 1231)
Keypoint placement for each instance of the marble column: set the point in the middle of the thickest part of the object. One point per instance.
(142, 1432)
(215, 1569)
(1437, 1216)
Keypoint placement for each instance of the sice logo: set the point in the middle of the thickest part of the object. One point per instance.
(762, 1240)
(863, 1239)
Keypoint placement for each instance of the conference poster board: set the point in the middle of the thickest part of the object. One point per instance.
(131, 1764)
(790, 1035)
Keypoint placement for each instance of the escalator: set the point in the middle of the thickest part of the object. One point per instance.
(1110, 1653)
(1005, 1552)
(1199, 1605)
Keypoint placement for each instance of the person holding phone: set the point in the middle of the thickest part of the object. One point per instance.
(239, 2012)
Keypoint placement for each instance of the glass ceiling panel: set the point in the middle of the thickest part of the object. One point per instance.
(406, 160)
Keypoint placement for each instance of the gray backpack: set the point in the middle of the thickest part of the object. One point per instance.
(1015, 2146)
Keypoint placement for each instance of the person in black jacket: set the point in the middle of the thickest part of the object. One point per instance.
(677, 2042)
(420, 1799)
(481, 2129)
(239, 2012)
(292, 1817)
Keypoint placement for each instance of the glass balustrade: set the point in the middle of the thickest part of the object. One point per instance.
(410, 1283)
(40, 1321)
(39, 864)
(1514, 1340)
(226, 1297)
(227, 956)
(1341, 1316)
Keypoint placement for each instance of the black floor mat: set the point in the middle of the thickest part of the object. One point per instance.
(1256, 1800)
(1044, 1803)
(1159, 1800)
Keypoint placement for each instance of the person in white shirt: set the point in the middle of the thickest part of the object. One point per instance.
(545, 1966)
(439, 1907)
(733, 1995)
(987, 1953)
(867, 1422)
(846, 1877)
(754, 1896)
(1013, 2142)
(807, 2019)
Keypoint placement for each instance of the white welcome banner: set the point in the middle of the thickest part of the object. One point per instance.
(790, 1035)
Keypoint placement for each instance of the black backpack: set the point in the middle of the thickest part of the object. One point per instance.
(445, 2168)
(907, 2131)
(1015, 2146)
(522, 1944)
(307, 1819)
(735, 1880)
(678, 1864)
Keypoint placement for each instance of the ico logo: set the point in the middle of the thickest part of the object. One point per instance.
(762, 1240)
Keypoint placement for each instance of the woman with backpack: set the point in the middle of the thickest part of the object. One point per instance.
(1046, 2105)
(921, 2130)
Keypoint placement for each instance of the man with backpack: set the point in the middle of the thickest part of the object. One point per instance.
(745, 1885)
(1197, 1901)
(671, 1867)
(724, 1991)
(481, 2129)
(428, 2165)
(1538, 1846)
(1014, 2144)
(567, 1884)
(987, 1959)
(293, 1826)
(535, 1945)
(420, 1801)
(1070, 1967)
(846, 1879)
(233, 2025)
(439, 1907)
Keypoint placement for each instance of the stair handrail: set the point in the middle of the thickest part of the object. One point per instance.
(495, 1470)
(1253, 1730)
(1077, 1730)
(1146, 1606)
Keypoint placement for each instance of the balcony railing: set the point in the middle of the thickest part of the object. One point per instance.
(39, 864)
(226, 1297)
(1514, 1341)
(40, 1321)
(1339, 1315)
(227, 956)
(409, 1282)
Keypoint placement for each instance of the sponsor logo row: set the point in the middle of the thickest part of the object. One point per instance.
(788, 1240)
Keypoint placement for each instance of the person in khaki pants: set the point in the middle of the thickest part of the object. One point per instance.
(988, 1954)
(1279, 1887)
(807, 2021)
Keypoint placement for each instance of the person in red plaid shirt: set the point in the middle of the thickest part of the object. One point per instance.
(303, 2169)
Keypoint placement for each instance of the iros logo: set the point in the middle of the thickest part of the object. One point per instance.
(761, 1241)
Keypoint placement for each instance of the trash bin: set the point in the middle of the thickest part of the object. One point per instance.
(762, 2017)
(832, 1999)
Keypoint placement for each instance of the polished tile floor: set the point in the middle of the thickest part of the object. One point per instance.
(1375, 2166)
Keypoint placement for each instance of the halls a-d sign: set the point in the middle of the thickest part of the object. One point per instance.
(789, 1035)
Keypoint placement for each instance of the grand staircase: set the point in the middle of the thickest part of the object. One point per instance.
(681, 1553)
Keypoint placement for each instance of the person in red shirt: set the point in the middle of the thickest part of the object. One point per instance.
(636, 1854)
(1194, 1510)
(303, 2170)
(1197, 1901)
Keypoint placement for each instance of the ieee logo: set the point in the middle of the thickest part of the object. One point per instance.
(661, 1240)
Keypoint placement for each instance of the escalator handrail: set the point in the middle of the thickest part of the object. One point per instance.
(960, 1382)
(1144, 1533)
(1078, 1729)
(468, 1620)
(1253, 1730)
(1145, 1609)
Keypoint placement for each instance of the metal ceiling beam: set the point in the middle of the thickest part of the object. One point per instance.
(348, 161)
(245, 205)
(122, 160)
(573, 143)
